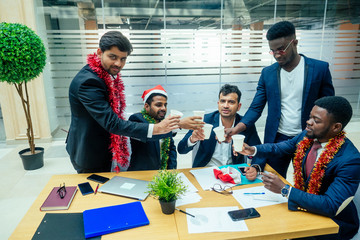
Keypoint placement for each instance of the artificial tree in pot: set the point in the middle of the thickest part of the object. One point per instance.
(22, 58)
(167, 187)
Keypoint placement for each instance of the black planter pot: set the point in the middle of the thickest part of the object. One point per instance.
(32, 161)
(167, 207)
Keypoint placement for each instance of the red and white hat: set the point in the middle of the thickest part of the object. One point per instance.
(157, 89)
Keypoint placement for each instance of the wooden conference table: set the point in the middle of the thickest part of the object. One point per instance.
(276, 221)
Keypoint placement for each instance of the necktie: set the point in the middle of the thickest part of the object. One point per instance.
(311, 157)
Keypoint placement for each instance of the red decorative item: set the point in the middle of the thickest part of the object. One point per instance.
(118, 145)
(223, 177)
(331, 148)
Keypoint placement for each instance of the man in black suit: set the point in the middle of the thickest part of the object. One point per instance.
(152, 154)
(96, 140)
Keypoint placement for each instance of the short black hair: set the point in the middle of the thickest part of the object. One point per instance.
(227, 88)
(150, 98)
(338, 107)
(115, 38)
(279, 30)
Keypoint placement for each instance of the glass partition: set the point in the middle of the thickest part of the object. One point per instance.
(194, 47)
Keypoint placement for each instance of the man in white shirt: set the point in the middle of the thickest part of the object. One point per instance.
(289, 87)
(209, 152)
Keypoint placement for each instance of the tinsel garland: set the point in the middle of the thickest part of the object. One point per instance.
(118, 144)
(318, 172)
(165, 146)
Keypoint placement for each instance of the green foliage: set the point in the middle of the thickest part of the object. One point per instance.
(22, 53)
(166, 186)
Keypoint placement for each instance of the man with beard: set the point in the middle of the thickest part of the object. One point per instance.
(210, 152)
(289, 87)
(96, 140)
(326, 167)
(152, 154)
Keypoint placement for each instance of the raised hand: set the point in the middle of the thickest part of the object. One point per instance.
(191, 123)
(167, 125)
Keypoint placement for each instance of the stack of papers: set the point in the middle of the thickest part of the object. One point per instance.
(191, 195)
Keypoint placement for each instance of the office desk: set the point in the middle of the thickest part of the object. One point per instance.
(276, 221)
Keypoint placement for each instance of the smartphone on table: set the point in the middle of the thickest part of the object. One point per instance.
(98, 178)
(242, 170)
(85, 188)
(242, 214)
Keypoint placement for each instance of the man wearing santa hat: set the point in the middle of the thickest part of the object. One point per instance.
(152, 154)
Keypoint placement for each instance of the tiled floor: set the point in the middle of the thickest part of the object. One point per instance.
(19, 188)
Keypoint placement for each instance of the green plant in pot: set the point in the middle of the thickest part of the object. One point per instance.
(22, 59)
(167, 187)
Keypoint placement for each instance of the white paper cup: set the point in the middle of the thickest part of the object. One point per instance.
(238, 141)
(200, 114)
(174, 112)
(220, 134)
(207, 130)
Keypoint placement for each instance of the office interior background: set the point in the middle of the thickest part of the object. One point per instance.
(190, 47)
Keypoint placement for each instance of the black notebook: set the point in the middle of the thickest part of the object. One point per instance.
(62, 226)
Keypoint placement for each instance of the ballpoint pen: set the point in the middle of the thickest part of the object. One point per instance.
(97, 187)
(184, 212)
(254, 193)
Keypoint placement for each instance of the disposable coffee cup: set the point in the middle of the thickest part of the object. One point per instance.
(207, 130)
(200, 114)
(174, 112)
(238, 141)
(220, 134)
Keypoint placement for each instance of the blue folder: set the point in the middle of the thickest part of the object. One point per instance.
(116, 218)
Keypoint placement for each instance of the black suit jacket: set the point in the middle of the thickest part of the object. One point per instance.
(92, 121)
(146, 154)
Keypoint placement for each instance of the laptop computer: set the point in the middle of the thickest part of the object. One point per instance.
(126, 187)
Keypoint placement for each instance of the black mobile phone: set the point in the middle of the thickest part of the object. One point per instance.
(242, 170)
(98, 178)
(85, 188)
(242, 214)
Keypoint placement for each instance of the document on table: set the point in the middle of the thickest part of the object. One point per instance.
(191, 195)
(186, 181)
(257, 197)
(207, 179)
(213, 219)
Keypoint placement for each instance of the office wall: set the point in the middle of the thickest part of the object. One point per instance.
(194, 47)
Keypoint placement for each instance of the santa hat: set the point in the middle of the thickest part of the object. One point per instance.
(157, 89)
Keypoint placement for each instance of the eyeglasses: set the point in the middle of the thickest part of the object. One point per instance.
(61, 191)
(281, 52)
(226, 190)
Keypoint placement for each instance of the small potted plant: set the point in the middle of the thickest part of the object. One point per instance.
(22, 58)
(167, 187)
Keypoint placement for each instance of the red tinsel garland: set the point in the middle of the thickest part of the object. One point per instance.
(118, 145)
(318, 172)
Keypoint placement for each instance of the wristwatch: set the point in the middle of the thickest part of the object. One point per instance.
(285, 191)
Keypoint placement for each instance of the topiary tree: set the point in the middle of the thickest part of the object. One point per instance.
(22, 58)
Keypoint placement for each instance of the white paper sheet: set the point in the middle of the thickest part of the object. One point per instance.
(206, 178)
(188, 198)
(215, 219)
(186, 181)
(257, 200)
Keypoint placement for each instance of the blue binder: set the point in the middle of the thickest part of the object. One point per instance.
(116, 218)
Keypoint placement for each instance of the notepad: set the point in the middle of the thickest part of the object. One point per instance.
(54, 202)
(116, 218)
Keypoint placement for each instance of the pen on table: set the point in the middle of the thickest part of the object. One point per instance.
(97, 187)
(184, 212)
(254, 193)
